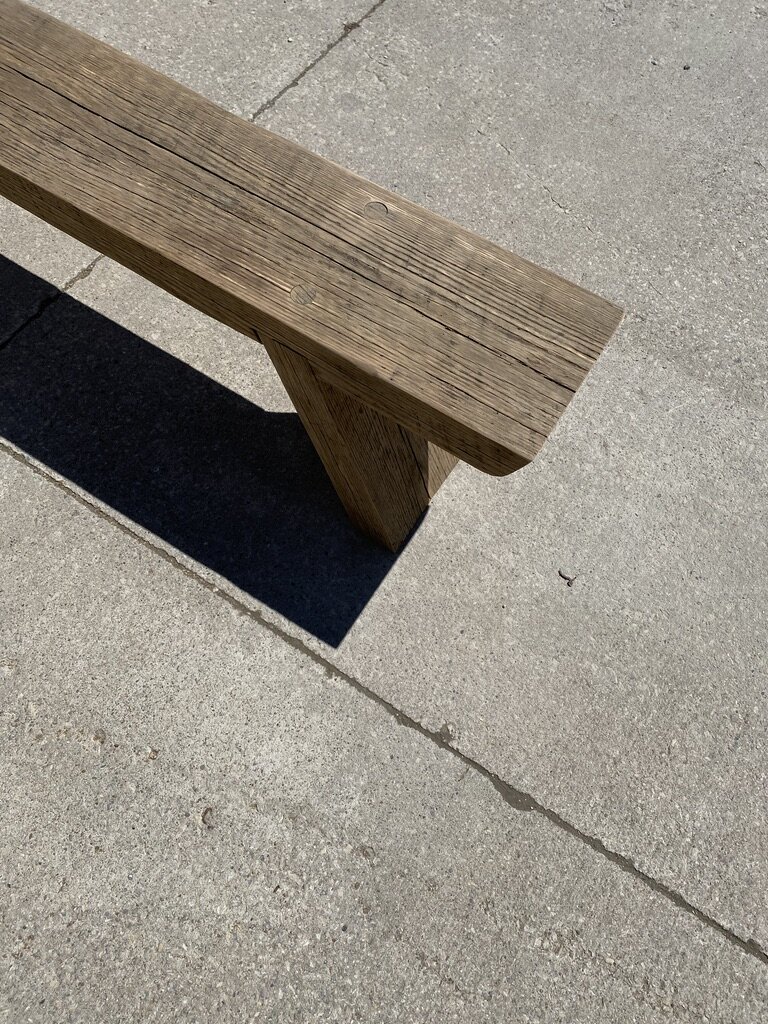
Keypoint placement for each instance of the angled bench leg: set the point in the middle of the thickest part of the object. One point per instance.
(383, 473)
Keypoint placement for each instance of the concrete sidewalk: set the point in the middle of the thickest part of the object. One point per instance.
(255, 769)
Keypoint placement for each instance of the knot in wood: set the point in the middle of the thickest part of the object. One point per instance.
(303, 294)
(375, 210)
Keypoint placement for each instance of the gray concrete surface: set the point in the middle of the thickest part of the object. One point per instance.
(239, 53)
(627, 710)
(634, 702)
(202, 821)
(40, 249)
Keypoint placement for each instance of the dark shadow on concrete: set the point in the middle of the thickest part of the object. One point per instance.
(238, 489)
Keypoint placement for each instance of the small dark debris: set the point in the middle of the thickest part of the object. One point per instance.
(152, 755)
(344, 927)
(564, 576)
(207, 817)
(447, 732)
(686, 67)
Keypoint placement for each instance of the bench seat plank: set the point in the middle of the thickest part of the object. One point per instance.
(466, 345)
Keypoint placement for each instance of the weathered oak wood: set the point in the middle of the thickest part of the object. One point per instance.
(465, 345)
(384, 474)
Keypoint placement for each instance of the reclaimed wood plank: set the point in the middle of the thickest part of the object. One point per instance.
(466, 345)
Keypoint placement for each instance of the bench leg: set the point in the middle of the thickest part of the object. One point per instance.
(383, 473)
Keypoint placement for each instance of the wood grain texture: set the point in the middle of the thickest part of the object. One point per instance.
(383, 474)
(435, 463)
(466, 345)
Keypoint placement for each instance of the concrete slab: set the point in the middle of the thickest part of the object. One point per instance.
(237, 53)
(202, 820)
(632, 703)
(650, 493)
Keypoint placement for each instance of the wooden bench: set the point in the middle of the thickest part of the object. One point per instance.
(404, 341)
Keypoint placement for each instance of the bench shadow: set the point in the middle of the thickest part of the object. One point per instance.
(238, 489)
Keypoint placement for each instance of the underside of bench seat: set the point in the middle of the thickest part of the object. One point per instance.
(464, 346)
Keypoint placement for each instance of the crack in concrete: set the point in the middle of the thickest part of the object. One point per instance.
(42, 306)
(349, 27)
(49, 300)
(549, 192)
(515, 798)
(82, 274)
